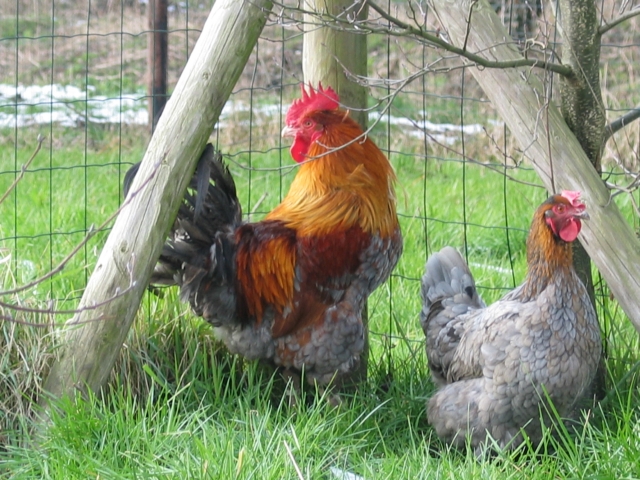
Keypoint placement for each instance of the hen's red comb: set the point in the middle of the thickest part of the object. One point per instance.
(573, 197)
(316, 99)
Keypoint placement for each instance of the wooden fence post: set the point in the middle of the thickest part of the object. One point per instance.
(157, 58)
(326, 54)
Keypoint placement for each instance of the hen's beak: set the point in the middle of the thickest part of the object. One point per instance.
(582, 215)
(287, 131)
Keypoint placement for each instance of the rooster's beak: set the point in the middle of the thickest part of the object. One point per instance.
(287, 131)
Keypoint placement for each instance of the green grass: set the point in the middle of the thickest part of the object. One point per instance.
(177, 406)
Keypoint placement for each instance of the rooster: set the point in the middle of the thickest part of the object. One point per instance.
(495, 367)
(290, 289)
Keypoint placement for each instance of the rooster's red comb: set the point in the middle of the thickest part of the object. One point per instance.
(573, 197)
(315, 99)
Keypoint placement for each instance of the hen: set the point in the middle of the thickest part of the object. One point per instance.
(290, 289)
(494, 366)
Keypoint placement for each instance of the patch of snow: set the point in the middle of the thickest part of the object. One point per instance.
(70, 106)
(340, 474)
(494, 268)
(67, 105)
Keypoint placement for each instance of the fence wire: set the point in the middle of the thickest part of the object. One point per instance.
(74, 72)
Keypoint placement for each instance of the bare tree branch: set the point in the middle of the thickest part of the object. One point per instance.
(621, 122)
(52, 311)
(631, 188)
(477, 59)
(466, 37)
(617, 21)
(419, 33)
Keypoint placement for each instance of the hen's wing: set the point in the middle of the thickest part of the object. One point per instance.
(490, 341)
(266, 263)
(465, 339)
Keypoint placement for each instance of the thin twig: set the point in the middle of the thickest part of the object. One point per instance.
(10, 319)
(387, 100)
(621, 122)
(23, 169)
(468, 32)
(52, 311)
(629, 189)
(488, 166)
(616, 21)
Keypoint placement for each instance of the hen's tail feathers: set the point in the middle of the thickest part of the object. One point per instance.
(201, 242)
(448, 282)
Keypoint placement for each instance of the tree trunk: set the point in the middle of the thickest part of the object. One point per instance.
(328, 56)
(581, 99)
(552, 148)
(582, 108)
(89, 349)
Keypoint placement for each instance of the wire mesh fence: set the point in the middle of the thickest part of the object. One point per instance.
(74, 72)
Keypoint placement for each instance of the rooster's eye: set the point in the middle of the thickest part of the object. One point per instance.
(307, 124)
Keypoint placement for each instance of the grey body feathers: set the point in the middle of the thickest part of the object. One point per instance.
(495, 365)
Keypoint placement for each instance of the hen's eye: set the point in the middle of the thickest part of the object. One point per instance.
(560, 208)
(307, 124)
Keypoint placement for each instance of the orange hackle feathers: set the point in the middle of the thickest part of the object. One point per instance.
(346, 182)
(546, 253)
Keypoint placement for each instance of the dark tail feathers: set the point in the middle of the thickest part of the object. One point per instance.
(201, 245)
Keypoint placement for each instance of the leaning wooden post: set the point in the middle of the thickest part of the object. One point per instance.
(89, 350)
(327, 53)
(520, 99)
